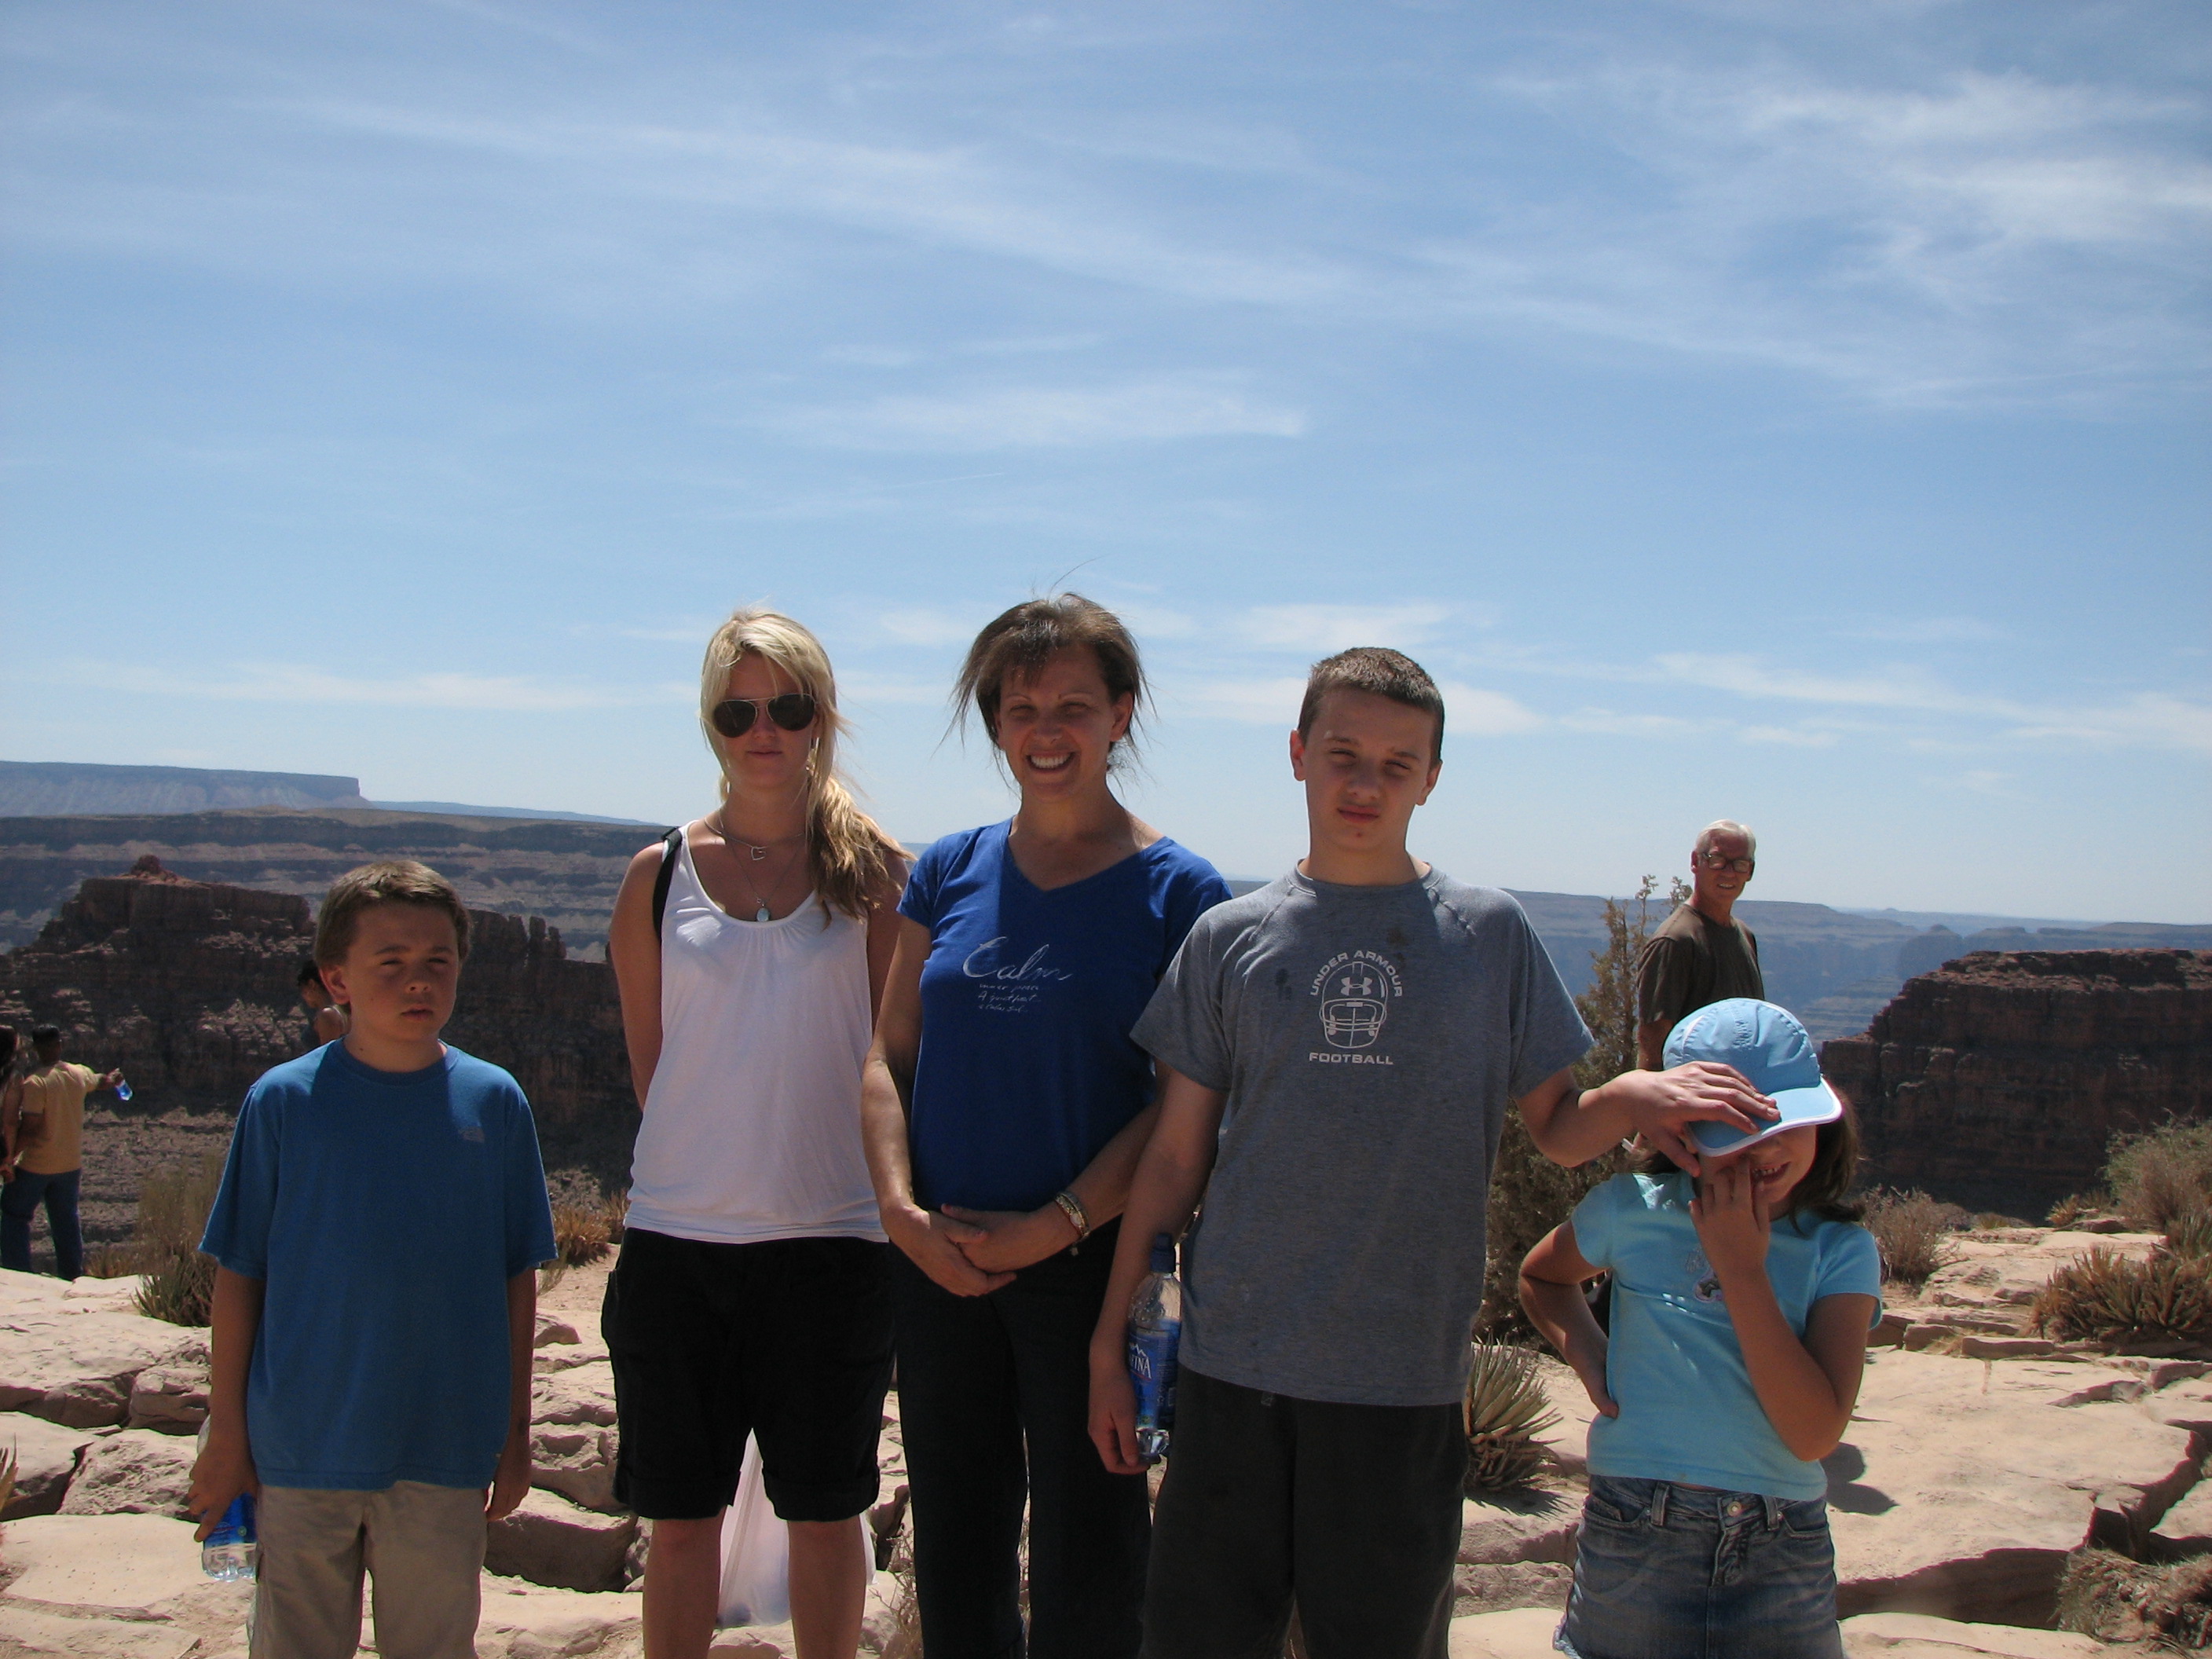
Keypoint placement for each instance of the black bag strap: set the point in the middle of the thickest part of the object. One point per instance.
(671, 845)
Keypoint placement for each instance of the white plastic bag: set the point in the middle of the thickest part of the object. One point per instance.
(755, 1553)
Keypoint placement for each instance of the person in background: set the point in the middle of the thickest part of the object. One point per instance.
(378, 1234)
(1700, 954)
(1005, 1107)
(48, 1155)
(326, 1021)
(752, 1295)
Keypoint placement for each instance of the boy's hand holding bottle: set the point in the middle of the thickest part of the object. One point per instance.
(223, 1487)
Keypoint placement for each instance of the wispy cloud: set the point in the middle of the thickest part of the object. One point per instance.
(1045, 417)
(1469, 711)
(1923, 630)
(291, 682)
(1327, 628)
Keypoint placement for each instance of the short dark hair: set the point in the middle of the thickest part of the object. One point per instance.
(1019, 640)
(400, 881)
(7, 1040)
(311, 973)
(1379, 670)
(46, 1037)
(1825, 1190)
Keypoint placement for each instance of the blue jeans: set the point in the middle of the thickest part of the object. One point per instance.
(19, 1201)
(1680, 1572)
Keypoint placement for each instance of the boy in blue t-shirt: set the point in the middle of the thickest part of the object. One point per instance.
(378, 1231)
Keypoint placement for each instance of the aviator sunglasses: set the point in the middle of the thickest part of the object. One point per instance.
(793, 711)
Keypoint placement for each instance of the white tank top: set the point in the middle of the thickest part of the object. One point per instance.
(752, 1122)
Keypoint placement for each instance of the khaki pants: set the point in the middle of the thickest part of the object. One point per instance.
(422, 1547)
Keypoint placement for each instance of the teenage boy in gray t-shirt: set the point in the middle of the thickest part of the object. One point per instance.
(1336, 1052)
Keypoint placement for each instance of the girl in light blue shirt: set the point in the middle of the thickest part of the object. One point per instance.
(1741, 1299)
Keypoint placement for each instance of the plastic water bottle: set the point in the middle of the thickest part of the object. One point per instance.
(230, 1549)
(1155, 1331)
(123, 1088)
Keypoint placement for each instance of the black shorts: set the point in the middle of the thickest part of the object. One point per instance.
(789, 1340)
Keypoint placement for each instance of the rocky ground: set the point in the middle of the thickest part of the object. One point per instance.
(1978, 1459)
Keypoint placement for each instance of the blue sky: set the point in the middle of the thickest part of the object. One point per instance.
(1786, 412)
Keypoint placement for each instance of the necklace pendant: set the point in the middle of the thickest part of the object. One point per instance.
(762, 913)
(758, 853)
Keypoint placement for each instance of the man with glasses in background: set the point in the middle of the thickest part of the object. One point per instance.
(1700, 954)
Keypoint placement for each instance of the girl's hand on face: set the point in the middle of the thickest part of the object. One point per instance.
(1732, 1219)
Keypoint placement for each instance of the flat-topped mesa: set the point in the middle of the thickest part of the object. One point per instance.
(1999, 1081)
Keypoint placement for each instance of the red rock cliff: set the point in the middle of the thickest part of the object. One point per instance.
(1998, 1080)
(189, 988)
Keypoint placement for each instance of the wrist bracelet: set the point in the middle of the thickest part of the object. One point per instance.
(1078, 1218)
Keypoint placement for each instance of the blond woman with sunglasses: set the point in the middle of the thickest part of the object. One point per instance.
(750, 1297)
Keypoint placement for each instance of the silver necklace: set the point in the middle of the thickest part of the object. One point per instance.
(761, 911)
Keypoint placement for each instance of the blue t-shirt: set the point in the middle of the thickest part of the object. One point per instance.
(384, 1212)
(1688, 1412)
(1026, 1068)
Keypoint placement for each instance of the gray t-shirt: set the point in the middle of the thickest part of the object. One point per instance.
(1370, 1040)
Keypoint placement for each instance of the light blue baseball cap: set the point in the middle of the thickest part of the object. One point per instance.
(1769, 1048)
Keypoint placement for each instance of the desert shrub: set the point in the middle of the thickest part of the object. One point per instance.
(2102, 1296)
(580, 1235)
(2159, 1176)
(173, 1213)
(2070, 1209)
(1914, 1232)
(1529, 1194)
(2106, 1595)
(111, 1261)
(1503, 1410)
(2190, 1235)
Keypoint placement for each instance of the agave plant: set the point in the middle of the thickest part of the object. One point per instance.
(2102, 1296)
(2190, 1235)
(1504, 1410)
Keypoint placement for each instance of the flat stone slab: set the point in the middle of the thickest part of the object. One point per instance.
(530, 1621)
(135, 1472)
(1522, 1633)
(2012, 1275)
(25, 1632)
(579, 1393)
(1535, 1524)
(74, 1366)
(576, 1460)
(1916, 1636)
(127, 1565)
(550, 1541)
(46, 1462)
(1962, 1484)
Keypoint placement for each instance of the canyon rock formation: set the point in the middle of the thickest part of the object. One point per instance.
(188, 986)
(1999, 1081)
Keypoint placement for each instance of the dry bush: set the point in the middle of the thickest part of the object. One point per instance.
(173, 1213)
(2190, 1235)
(2071, 1208)
(1529, 1195)
(580, 1235)
(2102, 1296)
(2106, 1595)
(111, 1261)
(2159, 1176)
(1504, 1411)
(1914, 1232)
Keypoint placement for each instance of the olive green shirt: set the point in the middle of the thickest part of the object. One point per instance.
(1691, 960)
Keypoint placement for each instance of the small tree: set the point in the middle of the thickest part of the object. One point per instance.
(1529, 1194)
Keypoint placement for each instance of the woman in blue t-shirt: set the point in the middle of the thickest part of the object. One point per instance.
(1005, 1109)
